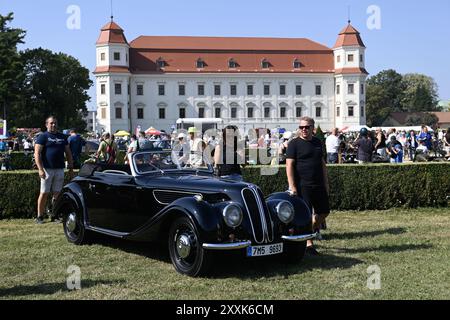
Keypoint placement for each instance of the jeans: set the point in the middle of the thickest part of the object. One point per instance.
(332, 157)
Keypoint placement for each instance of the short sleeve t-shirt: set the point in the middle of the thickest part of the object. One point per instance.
(54, 147)
(308, 157)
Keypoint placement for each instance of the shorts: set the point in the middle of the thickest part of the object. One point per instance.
(53, 182)
(316, 198)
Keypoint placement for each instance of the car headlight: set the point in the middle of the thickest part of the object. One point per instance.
(232, 214)
(285, 211)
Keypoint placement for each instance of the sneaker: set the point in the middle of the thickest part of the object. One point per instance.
(311, 251)
(39, 220)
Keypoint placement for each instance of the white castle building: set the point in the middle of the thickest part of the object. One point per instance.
(249, 82)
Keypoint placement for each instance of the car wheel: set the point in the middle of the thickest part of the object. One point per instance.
(294, 252)
(73, 226)
(185, 249)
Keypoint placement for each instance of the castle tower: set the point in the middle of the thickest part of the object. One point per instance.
(350, 78)
(112, 79)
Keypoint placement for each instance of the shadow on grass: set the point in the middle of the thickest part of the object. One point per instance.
(49, 288)
(385, 248)
(363, 234)
(226, 266)
(235, 264)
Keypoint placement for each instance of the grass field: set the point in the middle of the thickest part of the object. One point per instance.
(411, 248)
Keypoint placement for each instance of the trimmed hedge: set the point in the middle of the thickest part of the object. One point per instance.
(353, 187)
(374, 186)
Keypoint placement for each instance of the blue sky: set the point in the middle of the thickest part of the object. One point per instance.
(414, 36)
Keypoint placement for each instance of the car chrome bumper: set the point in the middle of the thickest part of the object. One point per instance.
(227, 246)
(299, 238)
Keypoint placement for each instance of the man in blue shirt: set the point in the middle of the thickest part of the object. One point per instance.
(425, 136)
(3, 145)
(49, 154)
(76, 143)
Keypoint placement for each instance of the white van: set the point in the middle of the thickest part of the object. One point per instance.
(202, 124)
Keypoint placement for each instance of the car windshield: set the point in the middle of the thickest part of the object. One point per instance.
(166, 161)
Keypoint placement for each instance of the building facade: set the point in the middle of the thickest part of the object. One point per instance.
(249, 82)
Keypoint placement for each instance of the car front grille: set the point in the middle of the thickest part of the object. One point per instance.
(259, 215)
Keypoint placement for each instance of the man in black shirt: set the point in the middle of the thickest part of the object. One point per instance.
(307, 173)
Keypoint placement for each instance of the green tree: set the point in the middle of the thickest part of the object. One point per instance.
(55, 84)
(11, 73)
(420, 93)
(384, 95)
(425, 118)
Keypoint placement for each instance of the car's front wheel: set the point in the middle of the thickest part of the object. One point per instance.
(294, 252)
(185, 249)
(73, 225)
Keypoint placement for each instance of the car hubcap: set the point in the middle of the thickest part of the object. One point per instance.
(71, 222)
(184, 246)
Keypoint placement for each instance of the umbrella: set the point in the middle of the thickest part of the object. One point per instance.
(121, 133)
(152, 131)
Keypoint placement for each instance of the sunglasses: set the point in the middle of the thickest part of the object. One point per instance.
(304, 127)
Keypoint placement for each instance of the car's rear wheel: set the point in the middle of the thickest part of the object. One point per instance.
(294, 252)
(185, 249)
(73, 225)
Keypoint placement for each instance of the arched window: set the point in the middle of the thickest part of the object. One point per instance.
(265, 64)
(160, 63)
(296, 64)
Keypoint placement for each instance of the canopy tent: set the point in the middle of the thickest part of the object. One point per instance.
(355, 128)
(152, 131)
(121, 133)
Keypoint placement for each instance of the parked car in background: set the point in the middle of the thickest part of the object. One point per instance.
(157, 198)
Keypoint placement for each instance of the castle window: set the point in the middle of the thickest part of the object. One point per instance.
(351, 58)
(318, 90)
(161, 63)
(140, 89)
(117, 56)
(298, 90)
(282, 90)
(118, 113)
(351, 111)
(161, 90)
(181, 90)
(233, 90)
(233, 113)
(265, 64)
(297, 64)
(338, 59)
(250, 112)
(338, 89)
(266, 89)
(232, 63)
(102, 88)
(118, 88)
(140, 113)
(351, 88)
(102, 56)
(200, 63)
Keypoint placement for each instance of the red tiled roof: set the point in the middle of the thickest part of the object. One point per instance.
(349, 36)
(111, 33)
(181, 53)
(226, 43)
(351, 71)
(112, 69)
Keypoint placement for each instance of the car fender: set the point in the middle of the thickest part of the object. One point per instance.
(71, 192)
(206, 218)
(302, 216)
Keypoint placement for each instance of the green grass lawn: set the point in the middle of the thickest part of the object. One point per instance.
(411, 248)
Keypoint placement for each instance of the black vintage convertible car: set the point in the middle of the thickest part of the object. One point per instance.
(159, 198)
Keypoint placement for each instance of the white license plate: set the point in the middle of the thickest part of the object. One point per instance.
(271, 249)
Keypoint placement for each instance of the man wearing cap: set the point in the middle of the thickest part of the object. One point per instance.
(181, 149)
(196, 147)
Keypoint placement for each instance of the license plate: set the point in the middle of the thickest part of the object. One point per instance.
(268, 250)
